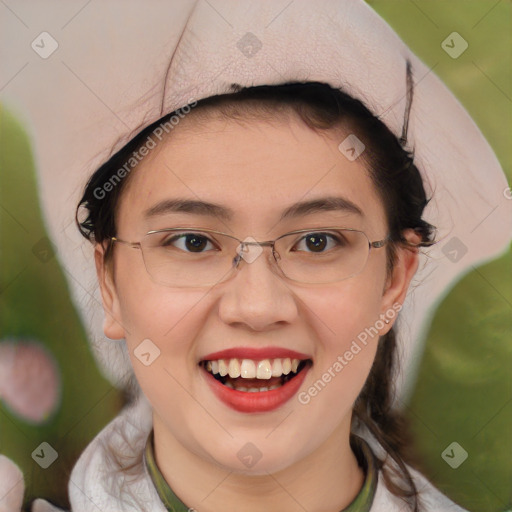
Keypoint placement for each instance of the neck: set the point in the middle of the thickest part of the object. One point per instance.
(328, 479)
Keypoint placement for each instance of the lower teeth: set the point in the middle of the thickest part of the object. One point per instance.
(252, 390)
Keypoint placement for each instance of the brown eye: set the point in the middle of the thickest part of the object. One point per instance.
(318, 242)
(188, 242)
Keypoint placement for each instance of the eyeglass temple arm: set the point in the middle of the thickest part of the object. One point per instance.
(135, 245)
(379, 243)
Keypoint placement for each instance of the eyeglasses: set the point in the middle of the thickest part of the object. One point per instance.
(190, 257)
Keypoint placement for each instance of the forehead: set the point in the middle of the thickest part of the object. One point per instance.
(255, 171)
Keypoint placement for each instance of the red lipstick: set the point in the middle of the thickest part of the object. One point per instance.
(256, 354)
(255, 401)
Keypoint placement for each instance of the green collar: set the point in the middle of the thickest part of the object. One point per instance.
(361, 503)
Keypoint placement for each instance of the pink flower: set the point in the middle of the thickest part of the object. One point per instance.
(29, 380)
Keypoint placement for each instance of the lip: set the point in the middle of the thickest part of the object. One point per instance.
(260, 401)
(256, 354)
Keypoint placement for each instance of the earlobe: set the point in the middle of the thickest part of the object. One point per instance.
(112, 326)
(397, 285)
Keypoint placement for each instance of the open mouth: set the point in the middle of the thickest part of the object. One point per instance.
(252, 376)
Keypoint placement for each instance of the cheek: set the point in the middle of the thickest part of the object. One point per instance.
(161, 325)
(346, 320)
(150, 310)
(345, 311)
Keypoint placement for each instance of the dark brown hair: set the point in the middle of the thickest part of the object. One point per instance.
(397, 181)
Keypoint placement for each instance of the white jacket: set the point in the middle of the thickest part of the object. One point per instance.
(96, 486)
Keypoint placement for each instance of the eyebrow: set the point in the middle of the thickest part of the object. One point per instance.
(298, 209)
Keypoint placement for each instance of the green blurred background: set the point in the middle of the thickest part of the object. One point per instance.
(464, 388)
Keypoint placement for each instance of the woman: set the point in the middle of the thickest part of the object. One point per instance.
(254, 249)
(261, 376)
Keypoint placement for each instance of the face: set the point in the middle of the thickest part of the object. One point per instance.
(256, 170)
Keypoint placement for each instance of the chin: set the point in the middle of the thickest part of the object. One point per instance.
(248, 459)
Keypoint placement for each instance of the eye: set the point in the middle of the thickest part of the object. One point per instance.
(188, 242)
(320, 242)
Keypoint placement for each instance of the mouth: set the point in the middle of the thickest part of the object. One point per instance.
(249, 385)
(251, 376)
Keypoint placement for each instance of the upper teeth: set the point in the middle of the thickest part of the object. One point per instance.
(249, 369)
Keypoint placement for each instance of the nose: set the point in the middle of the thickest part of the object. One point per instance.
(256, 296)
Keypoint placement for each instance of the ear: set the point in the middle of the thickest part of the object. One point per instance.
(398, 282)
(112, 326)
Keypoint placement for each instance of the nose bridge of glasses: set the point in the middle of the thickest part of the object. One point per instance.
(269, 243)
(244, 252)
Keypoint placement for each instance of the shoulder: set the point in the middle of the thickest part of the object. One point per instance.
(110, 472)
(430, 498)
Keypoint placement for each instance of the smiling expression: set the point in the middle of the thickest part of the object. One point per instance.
(256, 175)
